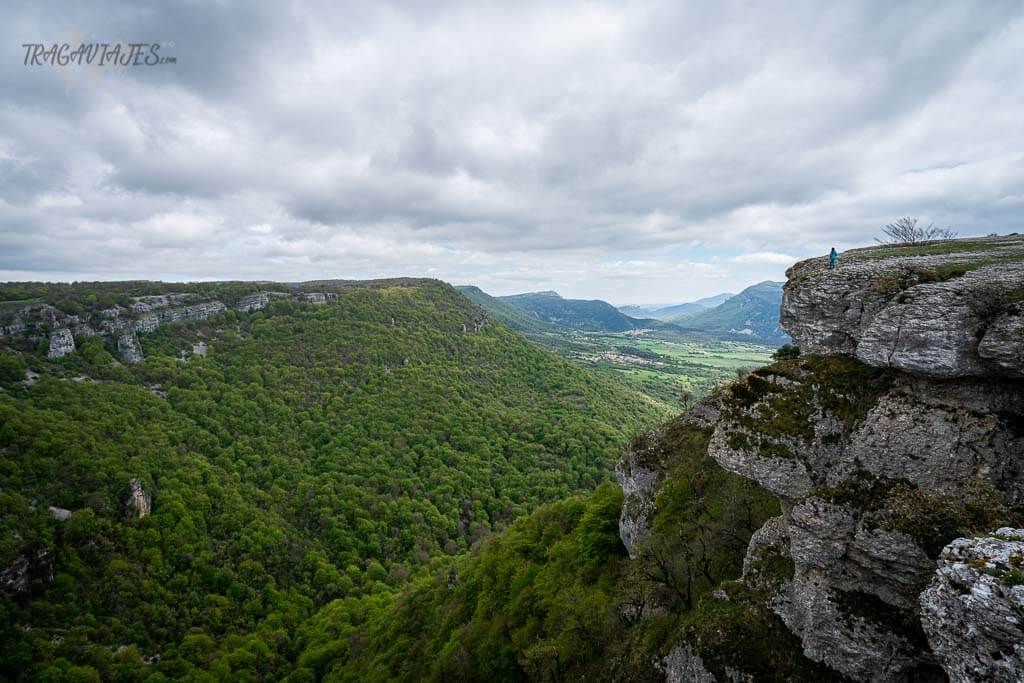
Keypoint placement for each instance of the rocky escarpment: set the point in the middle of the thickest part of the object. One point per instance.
(940, 309)
(901, 431)
(122, 324)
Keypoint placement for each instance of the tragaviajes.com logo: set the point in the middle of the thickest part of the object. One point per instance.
(98, 54)
(82, 59)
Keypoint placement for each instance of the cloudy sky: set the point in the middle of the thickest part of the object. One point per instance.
(650, 153)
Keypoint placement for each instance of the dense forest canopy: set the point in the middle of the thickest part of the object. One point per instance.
(315, 453)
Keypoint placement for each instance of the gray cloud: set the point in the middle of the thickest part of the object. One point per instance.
(662, 151)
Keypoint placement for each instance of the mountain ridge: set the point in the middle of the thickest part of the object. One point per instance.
(752, 314)
(665, 312)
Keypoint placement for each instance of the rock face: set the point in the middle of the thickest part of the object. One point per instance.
(937, 310)
(253, 302)
(903, 422)
(138, 500)
(122, 324)
(642, 470)
(681, 665)
(129, 348)
(150, 322)
(35, 564)
(973, 610)
(639, 481)
(61, 343)
(1000, 346)
(971, 429)
(848, 574)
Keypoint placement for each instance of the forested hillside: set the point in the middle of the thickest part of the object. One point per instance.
(555, 596)
(512, 316)
(316, 452)
(580, 314)
(753, 314)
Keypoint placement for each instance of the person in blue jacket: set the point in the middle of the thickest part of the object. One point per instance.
(833, 259)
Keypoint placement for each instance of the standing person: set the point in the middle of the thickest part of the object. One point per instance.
(833, 259)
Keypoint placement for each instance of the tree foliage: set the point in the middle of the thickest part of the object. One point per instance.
(318, 453)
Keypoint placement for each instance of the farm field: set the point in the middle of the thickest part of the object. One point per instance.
(665, 369)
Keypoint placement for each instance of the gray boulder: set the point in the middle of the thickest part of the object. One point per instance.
(62, 342)
(973, 610)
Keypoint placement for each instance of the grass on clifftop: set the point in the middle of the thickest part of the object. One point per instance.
(934, 248)
(938, 248)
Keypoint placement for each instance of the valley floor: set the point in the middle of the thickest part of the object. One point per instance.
(666, 369)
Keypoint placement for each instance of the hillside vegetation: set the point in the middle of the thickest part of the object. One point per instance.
(512, 316)
(555, 596)
(753, 315)
(579, 314)
(316, 453)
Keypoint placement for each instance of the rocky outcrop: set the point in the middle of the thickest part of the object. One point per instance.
(904, 424)
(145, 314)
(145, 304)
(31, 566)
(937, 309)
(973, 610)
(122, 324)
(138, 500)
(129, 348)
(62, 342)
(798, 430)
(851, 576)
(318, 298)
(474, 327)
(642, 470)
(253, 302)
(59, 514)
(681, 665)
(150, 322)
(1000, 347)
(639, 480)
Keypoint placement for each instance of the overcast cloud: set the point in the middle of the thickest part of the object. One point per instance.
(654, 153)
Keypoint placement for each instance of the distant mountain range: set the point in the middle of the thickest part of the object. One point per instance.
(579, 314)
(752, 315)
(671, 311)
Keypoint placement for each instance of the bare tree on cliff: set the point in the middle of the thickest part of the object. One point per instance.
(905, 230)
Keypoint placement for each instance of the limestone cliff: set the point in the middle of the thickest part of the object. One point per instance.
(122, 324)
(900, 428)
(941, 309)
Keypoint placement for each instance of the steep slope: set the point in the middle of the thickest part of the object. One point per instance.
(512, 316)
(183, 514)
(753, 314)
(592, 315)
(881, 466)
(820, 519)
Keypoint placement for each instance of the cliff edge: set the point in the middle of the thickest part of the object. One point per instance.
(891, 444)
(935, 309)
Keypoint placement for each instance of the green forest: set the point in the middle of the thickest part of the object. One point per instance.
(318, 457)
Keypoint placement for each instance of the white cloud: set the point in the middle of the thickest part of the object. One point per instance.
(765, 257)
(629, 152)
